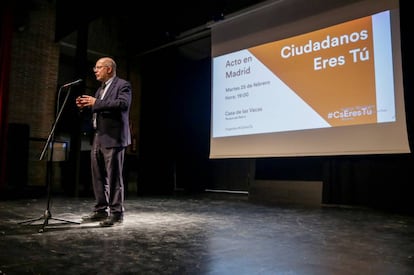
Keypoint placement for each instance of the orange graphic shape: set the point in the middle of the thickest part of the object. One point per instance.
(342, 93)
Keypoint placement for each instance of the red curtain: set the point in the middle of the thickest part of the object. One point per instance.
(5, 65)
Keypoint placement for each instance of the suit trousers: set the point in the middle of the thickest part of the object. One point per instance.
(107, 177)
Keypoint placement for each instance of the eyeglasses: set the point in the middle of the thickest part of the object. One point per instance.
(98, 67)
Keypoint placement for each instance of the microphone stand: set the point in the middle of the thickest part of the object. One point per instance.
(47, 215)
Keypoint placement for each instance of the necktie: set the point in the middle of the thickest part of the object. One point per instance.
(101, 92)
(100, 96)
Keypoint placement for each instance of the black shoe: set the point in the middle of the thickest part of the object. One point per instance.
(115, 219)
(95, 217)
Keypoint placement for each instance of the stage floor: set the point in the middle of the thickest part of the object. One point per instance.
(203, 234)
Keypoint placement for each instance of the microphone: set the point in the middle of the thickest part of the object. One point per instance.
(72, 83)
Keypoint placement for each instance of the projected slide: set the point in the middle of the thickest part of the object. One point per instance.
(337, 76)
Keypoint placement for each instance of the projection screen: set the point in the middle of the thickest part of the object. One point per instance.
(291, 78)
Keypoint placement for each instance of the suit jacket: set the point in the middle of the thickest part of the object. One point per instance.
(112, 114)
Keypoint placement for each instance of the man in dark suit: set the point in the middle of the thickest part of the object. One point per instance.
(110, 110)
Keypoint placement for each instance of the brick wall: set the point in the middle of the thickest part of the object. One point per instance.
(33, 82)
(34, 72)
